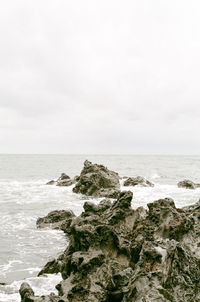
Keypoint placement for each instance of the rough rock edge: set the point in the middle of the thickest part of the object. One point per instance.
(97, 181)
(120, 254)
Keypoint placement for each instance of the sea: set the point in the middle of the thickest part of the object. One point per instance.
(24, 196)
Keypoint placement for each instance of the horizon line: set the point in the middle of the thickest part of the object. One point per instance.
(105, 154)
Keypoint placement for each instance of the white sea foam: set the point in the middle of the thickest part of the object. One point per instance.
(144, 195)
(155, 176)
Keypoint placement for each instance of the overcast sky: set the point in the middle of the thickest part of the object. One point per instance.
(100, 76)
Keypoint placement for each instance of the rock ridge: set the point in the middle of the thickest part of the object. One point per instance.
(119, 254)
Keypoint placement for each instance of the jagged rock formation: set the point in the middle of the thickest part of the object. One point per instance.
(135, 181)
(63, 180)
(119, 254)
(188, 184)
(97, 181)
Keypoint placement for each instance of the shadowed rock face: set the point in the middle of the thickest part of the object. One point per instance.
(135, 181)
(119, 254)
(188, 184)
(96, 180)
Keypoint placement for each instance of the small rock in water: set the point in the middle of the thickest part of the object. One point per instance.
(135, 181)
(51, 182)
(188, 184)
(63, 180)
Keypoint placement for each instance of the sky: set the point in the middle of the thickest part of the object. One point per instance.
(106, 77)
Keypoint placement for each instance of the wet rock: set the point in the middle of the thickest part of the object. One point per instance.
(59, 219)
(138, 181)
(26, 292)
(52, 267)
(119, 254)
(188, 184)
(97, 181)
(63, 180)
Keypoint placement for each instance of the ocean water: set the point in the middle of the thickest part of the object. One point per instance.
(24, 197)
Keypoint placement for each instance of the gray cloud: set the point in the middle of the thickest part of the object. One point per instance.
(99, 76)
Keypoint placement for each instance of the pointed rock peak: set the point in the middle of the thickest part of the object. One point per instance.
(124, 199)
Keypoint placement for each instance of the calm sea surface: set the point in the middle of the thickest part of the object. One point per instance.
(24, 197)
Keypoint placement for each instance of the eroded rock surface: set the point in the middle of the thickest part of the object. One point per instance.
(188, 184)
(119, 254)
(97, 181)
(135, 181)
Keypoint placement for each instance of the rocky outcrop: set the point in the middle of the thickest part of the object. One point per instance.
(63, 180)
(56, 220)
(97, 181)
(119, 254)
(138, 181)
(188, 184)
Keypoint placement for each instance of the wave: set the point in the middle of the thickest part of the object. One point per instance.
(144, 195)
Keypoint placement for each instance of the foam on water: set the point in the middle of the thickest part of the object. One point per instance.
(144, 195)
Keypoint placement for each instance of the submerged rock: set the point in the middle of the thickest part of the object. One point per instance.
(135, 181)
(188, 184)
(97, 181)
(119, 254)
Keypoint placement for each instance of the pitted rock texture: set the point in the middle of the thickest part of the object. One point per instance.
(138, 181)
(119, 254)
(188, 184)
(97, 181)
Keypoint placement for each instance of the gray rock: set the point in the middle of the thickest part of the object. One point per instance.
(119, 254)
(63, 180)
(97, 181)
(188, 184)
(135, 181)
(51, 182)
